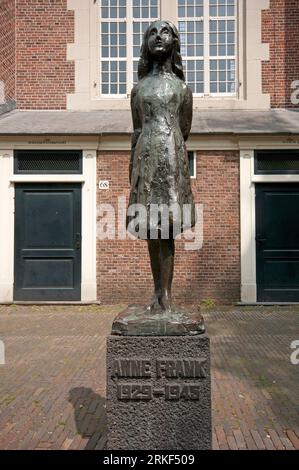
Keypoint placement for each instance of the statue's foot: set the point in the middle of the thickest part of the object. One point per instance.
(154, 305)
(165, 303)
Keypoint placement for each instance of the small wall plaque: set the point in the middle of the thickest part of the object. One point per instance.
(103, 184)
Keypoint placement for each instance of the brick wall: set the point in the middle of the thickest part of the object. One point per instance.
(44, 76)
(281, 30)
(123, 270)
(7, 48)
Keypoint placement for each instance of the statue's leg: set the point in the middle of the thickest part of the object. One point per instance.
(167, 266)
(154, 252)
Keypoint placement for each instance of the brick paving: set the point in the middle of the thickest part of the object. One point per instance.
(52, 387)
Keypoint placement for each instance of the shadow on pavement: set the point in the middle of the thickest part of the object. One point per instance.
(90, 416)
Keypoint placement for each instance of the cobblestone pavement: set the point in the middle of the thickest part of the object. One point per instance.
(52, 387)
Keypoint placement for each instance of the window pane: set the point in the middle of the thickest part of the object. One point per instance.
(105, 51)
(113, 40)
(213, 87)
(122, 12)
(105, 12)
(113, 89)
(199, 88)
(105, 27)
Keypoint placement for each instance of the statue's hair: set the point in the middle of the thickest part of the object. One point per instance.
(145, 62)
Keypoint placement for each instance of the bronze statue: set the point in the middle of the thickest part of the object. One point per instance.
(161, 105)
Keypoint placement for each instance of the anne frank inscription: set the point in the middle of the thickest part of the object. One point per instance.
(169, 369)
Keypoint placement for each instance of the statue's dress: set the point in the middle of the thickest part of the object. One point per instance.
(159, 169)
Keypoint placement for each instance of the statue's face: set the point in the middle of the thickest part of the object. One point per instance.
(160, 39)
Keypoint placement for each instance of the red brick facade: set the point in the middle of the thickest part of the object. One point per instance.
(210, 273)
(7, 48)
(44, 76)
(280, 28)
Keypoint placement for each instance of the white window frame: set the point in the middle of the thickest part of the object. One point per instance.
(114, 59)
(129, 19)
(208, 57)
(251, 52)
(206, 50)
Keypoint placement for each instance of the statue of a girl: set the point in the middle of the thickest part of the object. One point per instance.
(161, 104)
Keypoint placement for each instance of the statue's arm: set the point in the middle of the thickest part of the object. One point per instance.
(136, 128)
(186, 113)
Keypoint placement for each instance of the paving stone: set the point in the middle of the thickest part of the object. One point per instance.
(293, 438)
(53, 384)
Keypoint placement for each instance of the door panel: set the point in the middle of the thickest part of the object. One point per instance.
(47, 242)
(277, 242)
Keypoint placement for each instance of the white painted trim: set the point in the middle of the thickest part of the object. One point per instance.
(49, 142)
(275, 179)
(47, 179)
(256, 52)
(89, 211)
(206, 38)
(129, 46)
(168, 9)
(215, 142)
(247, 227)
(7, 194)
(7, 226)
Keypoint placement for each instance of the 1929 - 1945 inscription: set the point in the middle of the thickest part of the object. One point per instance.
(161, 368)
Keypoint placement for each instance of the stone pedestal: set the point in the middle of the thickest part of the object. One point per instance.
(158, 392)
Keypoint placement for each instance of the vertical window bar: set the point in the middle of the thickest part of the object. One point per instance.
(206, 49)
(222, 47)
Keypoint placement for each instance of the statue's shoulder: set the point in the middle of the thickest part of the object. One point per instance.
(134, 91)
(186, 88)
(187, 92)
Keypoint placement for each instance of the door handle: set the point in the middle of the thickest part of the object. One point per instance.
(260, 240)
(78, 241)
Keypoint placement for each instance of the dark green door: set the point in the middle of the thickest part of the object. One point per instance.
(277, 242)
(47, 242)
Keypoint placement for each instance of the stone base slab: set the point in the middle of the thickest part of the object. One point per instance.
(158, 392)
(136, 321)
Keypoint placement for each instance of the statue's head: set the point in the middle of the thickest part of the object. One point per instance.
(160, 41)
